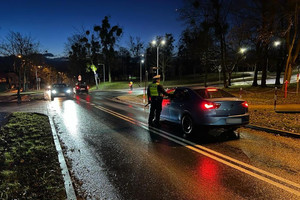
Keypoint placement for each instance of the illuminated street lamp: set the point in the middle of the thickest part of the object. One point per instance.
(276, 43)
(38, 80)
(243, 50)
(141, 62)
(19, 84)
(154, 43)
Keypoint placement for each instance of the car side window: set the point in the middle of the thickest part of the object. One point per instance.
(181, 94)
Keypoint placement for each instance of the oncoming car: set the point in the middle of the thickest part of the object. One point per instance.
(60, 90)
(207, 107)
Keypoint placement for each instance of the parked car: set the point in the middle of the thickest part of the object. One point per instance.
(81, 87)
(207, 107)
(60, 90)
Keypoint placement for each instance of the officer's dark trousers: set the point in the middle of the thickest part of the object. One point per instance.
(156, 107)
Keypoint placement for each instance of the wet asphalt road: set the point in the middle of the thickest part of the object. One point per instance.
(114, 155)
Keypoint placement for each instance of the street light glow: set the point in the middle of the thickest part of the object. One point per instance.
(163, 42)
(277, 43)
(19, 56)
(142, 61)
(243, 50)
(153, 42)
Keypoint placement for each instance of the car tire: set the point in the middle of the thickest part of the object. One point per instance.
(52, 98)
(187, 125)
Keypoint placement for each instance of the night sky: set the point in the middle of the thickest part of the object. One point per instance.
(52, 22)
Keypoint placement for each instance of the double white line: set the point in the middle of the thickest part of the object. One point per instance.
(263, 175)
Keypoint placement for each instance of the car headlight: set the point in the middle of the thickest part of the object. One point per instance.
(69, 91)
(53, 91)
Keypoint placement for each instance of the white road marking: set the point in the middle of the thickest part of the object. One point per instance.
(212, 154)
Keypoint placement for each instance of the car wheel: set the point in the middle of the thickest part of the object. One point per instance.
(187, 125)
(52, 98)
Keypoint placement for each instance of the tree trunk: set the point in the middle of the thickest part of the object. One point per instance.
(264, 69)
(109, 74)
(229, 78)
(279, 69)
(223, 61)
(278, 73)
(255, 76)
(264, 76)
(24, 78)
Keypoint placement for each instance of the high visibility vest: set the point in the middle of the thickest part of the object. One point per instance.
(153, 89)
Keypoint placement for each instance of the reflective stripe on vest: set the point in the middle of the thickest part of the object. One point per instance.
(153, 90)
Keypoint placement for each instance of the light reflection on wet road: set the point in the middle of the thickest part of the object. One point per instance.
(116, 157)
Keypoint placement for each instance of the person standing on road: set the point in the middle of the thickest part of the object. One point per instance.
(155, 94)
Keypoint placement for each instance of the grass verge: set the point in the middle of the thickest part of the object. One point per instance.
(29, 167)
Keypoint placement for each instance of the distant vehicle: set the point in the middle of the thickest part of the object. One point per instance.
(60, 90)
(208, 107)
(81, 87)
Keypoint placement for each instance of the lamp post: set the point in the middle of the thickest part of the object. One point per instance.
(242, 51)
(38, 80)
(141, 62)
(19, 87)
(154, 43)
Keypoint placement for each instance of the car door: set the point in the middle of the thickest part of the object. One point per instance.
(178, 104)
(165, 105)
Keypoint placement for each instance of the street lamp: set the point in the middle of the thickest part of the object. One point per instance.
(243, 50)
(38, 80)
(154, 43)
(19, 87)
(276, 43)
(141, 62)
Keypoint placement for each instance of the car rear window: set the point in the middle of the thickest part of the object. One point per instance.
(212, 93)
(59, 85)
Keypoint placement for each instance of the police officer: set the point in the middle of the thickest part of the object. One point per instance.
(155, 94)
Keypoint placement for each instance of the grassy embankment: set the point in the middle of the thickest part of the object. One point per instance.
(29, 167)
(213, 77)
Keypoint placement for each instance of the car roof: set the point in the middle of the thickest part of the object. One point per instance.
(197, 87)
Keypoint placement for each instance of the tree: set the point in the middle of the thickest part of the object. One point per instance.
(290, 13)
(166, 54)
(93, 48)
(108, 36)
(77, 54)
(214, 14)
(21, 47)
(136, 46)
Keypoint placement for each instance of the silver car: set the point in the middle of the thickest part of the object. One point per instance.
(60, 90)
(207, 107)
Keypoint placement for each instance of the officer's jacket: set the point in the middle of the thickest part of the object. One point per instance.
(155, 90)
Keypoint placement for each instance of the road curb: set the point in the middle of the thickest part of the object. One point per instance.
(70, 191)
(274, 131)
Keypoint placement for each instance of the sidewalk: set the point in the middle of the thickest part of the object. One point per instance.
(6, 97)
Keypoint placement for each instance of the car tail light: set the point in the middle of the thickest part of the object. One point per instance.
(211, 89)
(245, 104)
(206, 105)
(77, 87)
(87, 87)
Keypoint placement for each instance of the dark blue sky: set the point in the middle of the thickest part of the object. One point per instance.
(51, 22)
